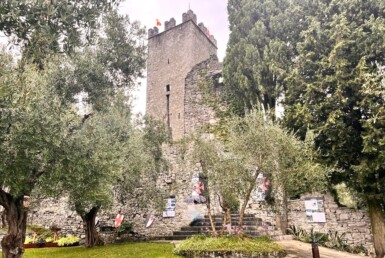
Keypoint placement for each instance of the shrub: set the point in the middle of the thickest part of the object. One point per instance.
(125, 227)
(49, 240)
(202, 244)
(28, 240)
(68, 241)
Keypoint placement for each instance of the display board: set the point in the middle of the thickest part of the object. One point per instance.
(169, 211)
(315, 212)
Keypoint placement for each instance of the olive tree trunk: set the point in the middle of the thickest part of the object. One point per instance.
(208, 199)
(246, 199)
(377, 220)
(92, 237)
(16, 217)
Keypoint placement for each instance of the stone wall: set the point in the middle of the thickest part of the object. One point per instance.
(354, 223)
(177, 183)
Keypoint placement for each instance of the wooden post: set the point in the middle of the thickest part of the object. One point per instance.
(314, 250)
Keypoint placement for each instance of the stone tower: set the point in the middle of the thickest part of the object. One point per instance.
(171, 56)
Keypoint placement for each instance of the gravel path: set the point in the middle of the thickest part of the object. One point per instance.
(297, 249)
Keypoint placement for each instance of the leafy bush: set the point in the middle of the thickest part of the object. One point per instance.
(125, 227)
(68, 241)
(49, 240)
(40, 231)
(298, 233)
(358, 249)
(318, 237)
(28, 240)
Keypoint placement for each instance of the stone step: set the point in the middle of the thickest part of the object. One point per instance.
(208, 224)
(232, 216)
(232, 219)
(205, 228)
(191, 233)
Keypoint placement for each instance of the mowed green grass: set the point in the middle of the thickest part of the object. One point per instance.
(134, 250)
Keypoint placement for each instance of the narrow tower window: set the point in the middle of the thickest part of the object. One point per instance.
(167, 87)
(168, 109)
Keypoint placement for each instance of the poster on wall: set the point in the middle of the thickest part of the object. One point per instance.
(169, 211)
(262, 184)
(198, 190)
(315, 212)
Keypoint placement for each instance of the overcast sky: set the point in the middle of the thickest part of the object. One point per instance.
(213, 13)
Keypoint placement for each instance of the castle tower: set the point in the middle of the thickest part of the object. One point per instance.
(171, 55)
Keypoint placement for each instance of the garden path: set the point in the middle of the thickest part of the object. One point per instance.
(297, 249)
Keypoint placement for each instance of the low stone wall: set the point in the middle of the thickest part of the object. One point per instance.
(354, 223)
(236, 255)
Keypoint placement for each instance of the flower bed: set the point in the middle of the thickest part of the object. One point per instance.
(231, 246)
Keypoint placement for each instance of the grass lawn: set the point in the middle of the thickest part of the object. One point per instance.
(134, 250)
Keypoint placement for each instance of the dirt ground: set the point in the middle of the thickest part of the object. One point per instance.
(296, 249)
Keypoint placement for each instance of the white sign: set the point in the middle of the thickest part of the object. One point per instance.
(314, 209)
(169, 211)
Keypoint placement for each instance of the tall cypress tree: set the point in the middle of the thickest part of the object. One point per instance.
(331, 90)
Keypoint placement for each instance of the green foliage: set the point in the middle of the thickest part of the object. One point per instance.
(28, 240)
(346, 197)
(337, 241)
(334, 88)
(101, 71)
(125, 227)
(200, 244)
(298, 233)
(48, 27)
(68, 240)
(34, 125)
(258, 54)
(49, 240)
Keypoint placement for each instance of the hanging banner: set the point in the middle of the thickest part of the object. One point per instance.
(150, 220)
(118, 220)
(198, 193)
(262, 184)
(315, 212)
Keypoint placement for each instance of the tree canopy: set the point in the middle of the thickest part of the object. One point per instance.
(43, 27)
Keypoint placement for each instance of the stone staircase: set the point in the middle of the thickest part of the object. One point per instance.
(251, 224)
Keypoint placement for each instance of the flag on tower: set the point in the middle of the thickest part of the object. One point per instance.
(158, 22)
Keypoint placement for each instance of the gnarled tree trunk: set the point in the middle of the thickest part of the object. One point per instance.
(208, 199)
(377, 220)
(16, 216)
(246, 200)
(92, 236)
(3, 219)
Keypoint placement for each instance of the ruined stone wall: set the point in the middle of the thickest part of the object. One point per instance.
(177, 183)
(197, 112)
(171, 55)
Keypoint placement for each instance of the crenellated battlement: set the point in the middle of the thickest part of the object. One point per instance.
(190, 15)
(187, 16)
(169, 24)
